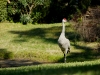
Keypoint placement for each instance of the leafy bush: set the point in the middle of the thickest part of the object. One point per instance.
(25, 19)
(3, 10)
(36, 17)
(27, 10)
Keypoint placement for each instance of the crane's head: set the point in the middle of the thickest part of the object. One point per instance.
(64, 20)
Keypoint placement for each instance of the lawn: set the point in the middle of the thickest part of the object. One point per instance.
(38, 43)
(32, 42)
(75, 68)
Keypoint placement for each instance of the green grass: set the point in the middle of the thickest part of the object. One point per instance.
(75, 68)
(33, 42)
(29, 42)
(39, 43)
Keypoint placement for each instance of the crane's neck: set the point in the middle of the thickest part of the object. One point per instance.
(63, 28)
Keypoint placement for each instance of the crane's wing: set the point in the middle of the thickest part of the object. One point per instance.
(64, 44)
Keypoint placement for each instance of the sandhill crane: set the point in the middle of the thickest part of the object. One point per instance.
(63, 42)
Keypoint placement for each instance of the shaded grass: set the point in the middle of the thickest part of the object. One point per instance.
(82, 53)
(4, 54)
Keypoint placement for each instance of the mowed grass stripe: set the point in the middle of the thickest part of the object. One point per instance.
(75, 68)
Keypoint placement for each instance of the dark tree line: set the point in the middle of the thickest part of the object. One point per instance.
(42, 10)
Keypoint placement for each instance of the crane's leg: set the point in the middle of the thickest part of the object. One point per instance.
(64, 57)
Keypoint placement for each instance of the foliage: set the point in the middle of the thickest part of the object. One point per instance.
(89, 27)
(78, 7)
(13, 11)
(41, 10)
(25, 19)
(3, 10)
(28, 8)
(84, 4)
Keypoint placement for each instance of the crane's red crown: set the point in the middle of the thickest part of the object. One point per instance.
(64, 20)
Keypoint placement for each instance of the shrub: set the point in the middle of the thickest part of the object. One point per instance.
(36, 17)
(3, 10)
(26, 10)
(89, 27)
(25, 19)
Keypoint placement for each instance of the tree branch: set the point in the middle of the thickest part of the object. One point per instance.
(30, 7)
(8, 1)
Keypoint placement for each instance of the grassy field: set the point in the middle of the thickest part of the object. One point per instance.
(33, 42)
(38, 43)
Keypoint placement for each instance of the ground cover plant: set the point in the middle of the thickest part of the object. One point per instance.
(38, 43)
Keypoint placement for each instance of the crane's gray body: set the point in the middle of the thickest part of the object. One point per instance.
(63, 42)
